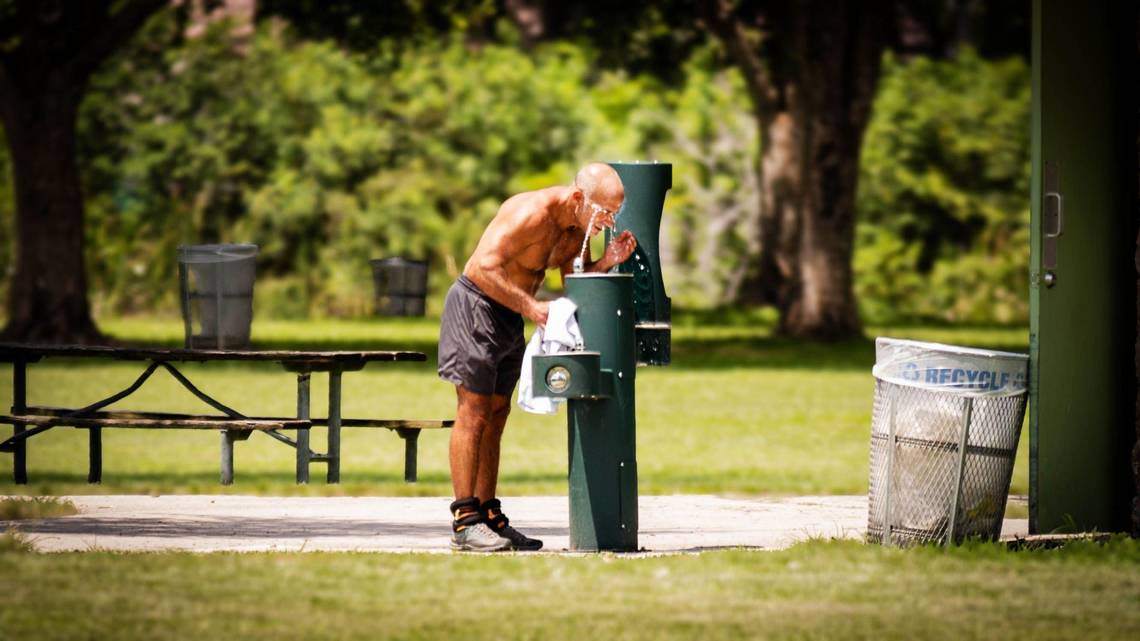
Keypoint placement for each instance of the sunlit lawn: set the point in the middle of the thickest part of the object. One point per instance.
(737, 412)
(817, 590)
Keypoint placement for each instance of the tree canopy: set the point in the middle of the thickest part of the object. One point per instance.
(328, 142)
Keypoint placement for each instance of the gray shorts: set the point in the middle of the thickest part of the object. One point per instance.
(481, 341)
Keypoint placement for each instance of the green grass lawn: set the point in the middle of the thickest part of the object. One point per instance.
(738, 412)
(823, 590)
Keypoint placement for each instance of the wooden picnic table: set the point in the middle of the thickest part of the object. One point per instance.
(234, 426)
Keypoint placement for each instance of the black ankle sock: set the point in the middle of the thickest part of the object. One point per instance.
(492, 510)
(465, 512)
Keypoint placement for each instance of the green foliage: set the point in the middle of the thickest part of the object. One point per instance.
(407, 155)
(360, 25)
(709, 236)
(943, 209)
(172, 139)
(324, 158)
(327, 157)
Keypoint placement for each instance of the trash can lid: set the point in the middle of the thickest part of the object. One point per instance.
(219, 253)
(950, 368)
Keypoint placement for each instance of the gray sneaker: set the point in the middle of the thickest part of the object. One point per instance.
(478, 538)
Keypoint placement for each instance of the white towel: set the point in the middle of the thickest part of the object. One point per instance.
(561, 334)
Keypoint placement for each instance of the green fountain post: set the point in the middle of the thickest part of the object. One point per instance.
(624, 319)
(602, 429)
(645, 186)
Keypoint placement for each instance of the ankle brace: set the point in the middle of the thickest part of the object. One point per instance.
(492, 510)
(465, 512)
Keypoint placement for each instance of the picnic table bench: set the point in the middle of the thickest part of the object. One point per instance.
(29, 421)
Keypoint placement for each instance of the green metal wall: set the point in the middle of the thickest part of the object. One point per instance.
(1082, 382)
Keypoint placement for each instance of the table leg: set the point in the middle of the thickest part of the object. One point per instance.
(95, 453)
(303, 434)
(334, 425)
(411, 439)
(20, 406)
(228, 438)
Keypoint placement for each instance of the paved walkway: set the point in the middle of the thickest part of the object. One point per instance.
(203, 523)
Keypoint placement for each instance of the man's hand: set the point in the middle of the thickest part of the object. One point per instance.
(619, 249)
(539, 312)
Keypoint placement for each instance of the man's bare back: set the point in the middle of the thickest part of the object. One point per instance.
(539, 230)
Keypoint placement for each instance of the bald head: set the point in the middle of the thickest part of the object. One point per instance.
(601, 184)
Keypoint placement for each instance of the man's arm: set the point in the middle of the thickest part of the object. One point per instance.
(616, 253)
(500, 245)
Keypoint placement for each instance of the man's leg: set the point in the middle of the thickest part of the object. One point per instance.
(487, 479)
(472, 419)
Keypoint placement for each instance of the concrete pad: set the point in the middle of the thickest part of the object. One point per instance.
(203, 523)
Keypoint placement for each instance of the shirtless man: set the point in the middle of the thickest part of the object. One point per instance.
(481, 340)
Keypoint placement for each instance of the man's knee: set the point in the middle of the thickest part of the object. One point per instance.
(500, 413)
(500, 410)
(474, 424)
(476, 412)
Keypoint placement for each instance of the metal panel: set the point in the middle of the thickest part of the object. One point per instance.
(1082, 295)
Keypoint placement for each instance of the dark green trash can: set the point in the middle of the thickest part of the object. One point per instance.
(401, 286)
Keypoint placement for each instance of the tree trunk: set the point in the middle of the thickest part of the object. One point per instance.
(1136, 261)
(51, 49)
(839, 53)
(1136, 363)
(48, 291)
(780, 176)
(813, 101)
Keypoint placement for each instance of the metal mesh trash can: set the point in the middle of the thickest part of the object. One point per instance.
(944, 433)
(216, 283)
(401, 286)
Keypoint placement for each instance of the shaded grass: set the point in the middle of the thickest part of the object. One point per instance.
(701, 339)
(36, 507)
(817, 590)
(738, 412)
(13, 541)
